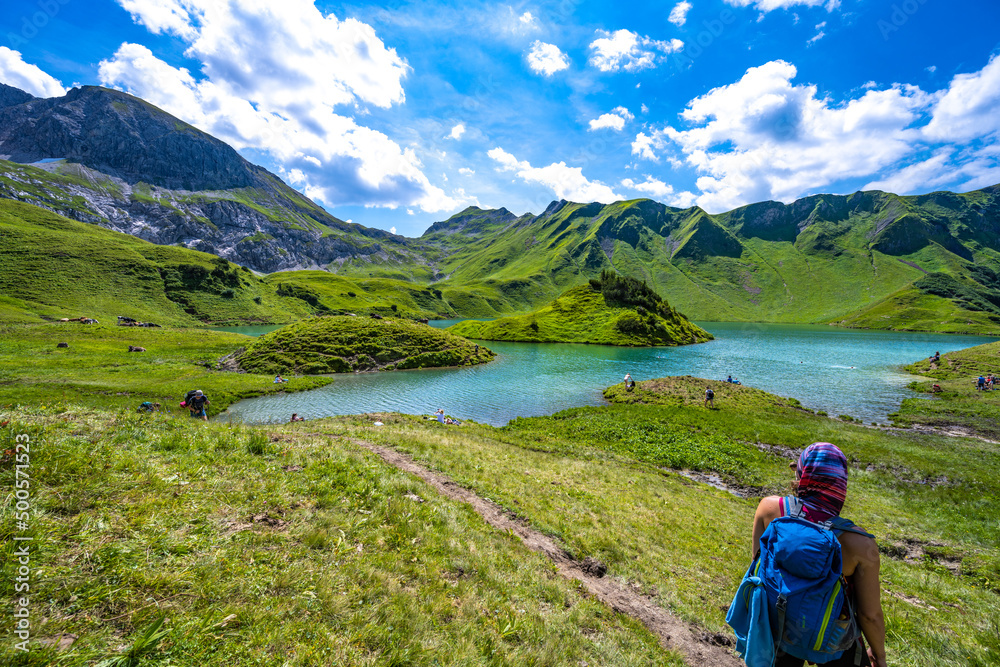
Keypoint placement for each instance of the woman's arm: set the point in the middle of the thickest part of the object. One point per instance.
(768, 510)
(869, 598)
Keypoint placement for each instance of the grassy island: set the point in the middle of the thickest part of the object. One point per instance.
(612, 310)
(346, 344)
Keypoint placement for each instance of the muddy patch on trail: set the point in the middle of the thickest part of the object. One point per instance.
(672, 632)
(916, 552)
(717, 482)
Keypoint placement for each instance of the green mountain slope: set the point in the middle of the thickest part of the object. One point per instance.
(609, 311)
(825, 258)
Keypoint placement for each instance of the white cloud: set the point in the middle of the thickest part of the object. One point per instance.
(457, 131)
(645, 145)
(29, 78)
(273, 78)
(566, 182)
(613, 121)
(644, 109)
(527, 18)
(624, 49)
(650, 186)
(546, 59)
(819, 34)
(764, 138)
(968, 109)
(392, 230)
(162, 16)
(678, 15)
(929, 173)
(770, 5)
(465, 171)
(931, 68)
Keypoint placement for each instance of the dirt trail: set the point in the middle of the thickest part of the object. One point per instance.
(699, 647)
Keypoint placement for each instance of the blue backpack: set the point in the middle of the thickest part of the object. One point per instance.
(793, 597)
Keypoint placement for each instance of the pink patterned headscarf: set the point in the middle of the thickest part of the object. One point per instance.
(822, 476)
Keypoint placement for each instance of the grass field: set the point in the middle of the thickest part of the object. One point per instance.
(959, 403)
(581, 315)
(289, 543)
(346, 344)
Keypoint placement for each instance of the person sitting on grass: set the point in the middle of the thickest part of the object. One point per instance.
(296, 418)
(196, 404)
(278, 379)
(439, 415)
(148, 407)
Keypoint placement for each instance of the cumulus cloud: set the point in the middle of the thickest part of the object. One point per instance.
(546, 59)
(274, 79)
(770, 5)
(457, 131)
(527, 19)
(968, 109)
(613, 121)
(29, 78)
(678, 15)
(465, 171)
(566, 182)
(651, 186)
(627, 50)
(764, 137)
(645, 145)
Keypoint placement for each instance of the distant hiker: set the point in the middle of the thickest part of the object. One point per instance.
(935, 388)
(936, 358)
(296, 418)
(810, 567)
(148, 407)
(981, 383)
(709, 397)
(629, 382)
(196, 404)
(136, 348)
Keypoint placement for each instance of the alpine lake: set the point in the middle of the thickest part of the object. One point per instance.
(841, 371)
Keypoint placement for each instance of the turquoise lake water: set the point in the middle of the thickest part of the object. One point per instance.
(841, 371)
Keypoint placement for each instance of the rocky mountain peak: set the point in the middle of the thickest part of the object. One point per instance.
(11, 96)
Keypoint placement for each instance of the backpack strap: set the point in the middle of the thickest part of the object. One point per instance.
(795, 507)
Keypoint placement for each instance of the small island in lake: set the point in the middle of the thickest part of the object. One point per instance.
(346, 344)
(611, 310)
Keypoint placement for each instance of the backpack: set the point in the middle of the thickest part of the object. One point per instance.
(709, 393)
(796, 583)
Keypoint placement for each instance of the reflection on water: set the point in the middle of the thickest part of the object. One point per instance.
(842, 371)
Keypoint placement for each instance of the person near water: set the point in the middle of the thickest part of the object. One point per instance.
(709, 397)
(729, 379)
(821, 488)
(629, 382)
(296, 418)
(279, 379)
(439, 415)
(196, 404)
(981, 383)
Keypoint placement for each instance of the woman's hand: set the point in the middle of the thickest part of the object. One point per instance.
(876, 662)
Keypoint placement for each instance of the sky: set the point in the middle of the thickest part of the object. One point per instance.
(399, 114)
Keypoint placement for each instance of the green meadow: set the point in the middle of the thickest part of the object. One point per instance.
(291, 543)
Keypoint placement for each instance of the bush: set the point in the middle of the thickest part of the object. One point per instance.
(257, 300)
(228, 293)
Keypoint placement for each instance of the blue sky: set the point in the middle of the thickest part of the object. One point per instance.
(400, 114)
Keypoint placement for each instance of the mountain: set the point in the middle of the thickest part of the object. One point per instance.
(105, 157)
(871, 259)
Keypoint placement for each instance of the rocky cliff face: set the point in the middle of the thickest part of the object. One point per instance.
(117, 161)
